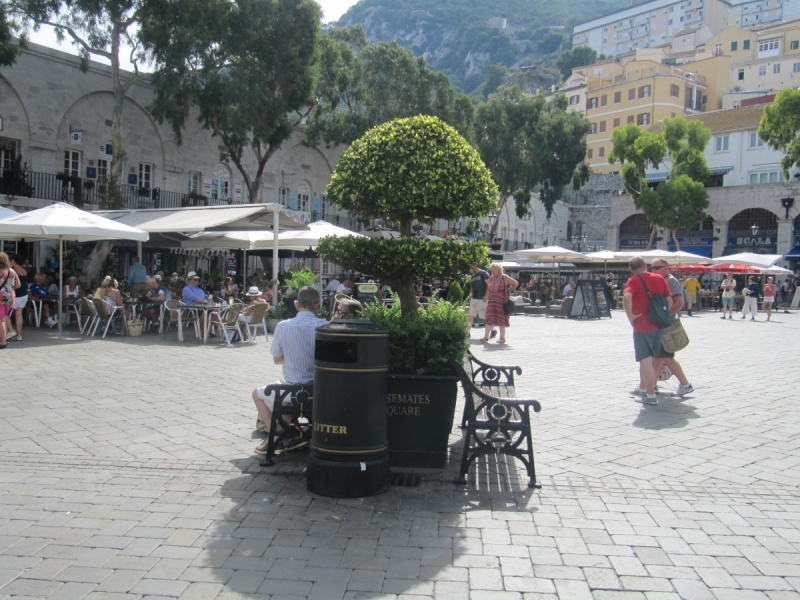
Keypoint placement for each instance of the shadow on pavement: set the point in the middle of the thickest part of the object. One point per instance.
(669, 414)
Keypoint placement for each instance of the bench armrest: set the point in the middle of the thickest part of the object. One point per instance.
(491, 374)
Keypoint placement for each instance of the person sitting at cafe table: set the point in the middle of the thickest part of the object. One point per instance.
(192, 293)
(71, 290)
(158, 295)
(38, 291)
(347, 308)
(292, 348)
(253, 297)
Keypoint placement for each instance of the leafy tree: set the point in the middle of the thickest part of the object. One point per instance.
(96, 28)
(551, 42)
(780, 127)
(8, 27)
(528, 142)
(577, 57)
(410, 169)
(679, 202)
(365, 85)
(493, 80)
(249, 66)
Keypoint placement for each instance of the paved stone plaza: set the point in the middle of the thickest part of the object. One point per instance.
(126, 471)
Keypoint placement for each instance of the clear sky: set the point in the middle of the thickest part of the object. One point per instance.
(332, 10)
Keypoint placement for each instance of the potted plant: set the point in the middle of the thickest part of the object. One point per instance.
(388, 174)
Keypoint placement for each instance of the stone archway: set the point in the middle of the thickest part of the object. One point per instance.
(634, 232)
(742, 237)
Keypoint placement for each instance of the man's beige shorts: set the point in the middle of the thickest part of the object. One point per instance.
(477, 308)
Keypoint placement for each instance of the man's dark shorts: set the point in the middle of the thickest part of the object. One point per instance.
(647, 344)
(664, 354)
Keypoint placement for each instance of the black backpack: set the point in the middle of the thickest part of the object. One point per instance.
(658, 308)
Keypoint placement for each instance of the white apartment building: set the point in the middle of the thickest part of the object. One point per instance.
(735, 154)
(655, 23)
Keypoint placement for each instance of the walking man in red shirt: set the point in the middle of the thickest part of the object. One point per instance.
(646, 336)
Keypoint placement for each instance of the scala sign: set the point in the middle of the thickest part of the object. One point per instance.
(747, 241)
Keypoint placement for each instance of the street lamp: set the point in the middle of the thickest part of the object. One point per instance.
(754, 239)
(493, 216)
(581, 243)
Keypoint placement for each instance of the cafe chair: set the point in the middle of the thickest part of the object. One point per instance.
(176, 315)
(258, 318)
(103, 315)
(228, 322)
(86, 313)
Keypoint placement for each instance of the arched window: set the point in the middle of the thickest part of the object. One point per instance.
(569, 230)
(797, 225)
(635, 226)
(742, 223)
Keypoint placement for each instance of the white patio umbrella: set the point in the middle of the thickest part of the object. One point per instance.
(65, 222)
(676, 257)
(604, 256)
(382, 232)
(231, 240)
(776, 270)
(304, 239)
(749, 259)
(552, 254)
(309, 239)
(4, 214)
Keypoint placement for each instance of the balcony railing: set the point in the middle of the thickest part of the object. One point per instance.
(79, 191)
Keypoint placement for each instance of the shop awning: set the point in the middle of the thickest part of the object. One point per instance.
(794, 254)
(189, 220)
(656, 177)
(721, 170)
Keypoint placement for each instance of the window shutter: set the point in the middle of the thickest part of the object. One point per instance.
(293, 202)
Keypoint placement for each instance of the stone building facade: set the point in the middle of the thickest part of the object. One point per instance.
(58, 118)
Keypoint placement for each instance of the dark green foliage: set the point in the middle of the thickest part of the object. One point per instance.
(551, 42)
(364, 85)
(493, 80)
(577, 57)
(527, 142)
(246, 66)
(8, 29)
(14, 181)
(780, 127)
(680, 202)
(425, 342)
(456, 295)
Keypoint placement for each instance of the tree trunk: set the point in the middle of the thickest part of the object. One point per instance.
(116, 115)
(96, 260)
(501, 204)
(408, 296)
(652, 239)
(677, 243)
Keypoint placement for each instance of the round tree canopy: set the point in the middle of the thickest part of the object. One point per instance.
(416, 168)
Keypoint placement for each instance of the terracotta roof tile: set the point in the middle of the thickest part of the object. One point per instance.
(731, 119)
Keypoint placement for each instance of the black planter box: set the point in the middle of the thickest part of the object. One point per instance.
(421, 410)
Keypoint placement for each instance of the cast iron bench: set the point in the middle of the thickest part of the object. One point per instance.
(293, 402)
(495, 380)
(495, 420)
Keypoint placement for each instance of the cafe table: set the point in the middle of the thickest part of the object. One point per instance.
(207, 309)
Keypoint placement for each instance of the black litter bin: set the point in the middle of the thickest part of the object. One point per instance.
(349, 448)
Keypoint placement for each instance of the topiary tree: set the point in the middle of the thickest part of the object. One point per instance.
(409, 169)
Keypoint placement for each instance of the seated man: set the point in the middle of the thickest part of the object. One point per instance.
(38, 291)
(158, 295)
(293, 349)
(253, 297)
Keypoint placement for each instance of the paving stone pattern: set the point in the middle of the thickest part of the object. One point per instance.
(126, 471)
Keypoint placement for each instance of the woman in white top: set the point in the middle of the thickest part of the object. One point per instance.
(71, 289)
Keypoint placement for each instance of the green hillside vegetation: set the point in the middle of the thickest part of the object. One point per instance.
(459, 38)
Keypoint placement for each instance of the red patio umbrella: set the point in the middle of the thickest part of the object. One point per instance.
(690, 269)
(736, 269)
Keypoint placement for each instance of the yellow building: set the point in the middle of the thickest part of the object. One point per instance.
(646, 92)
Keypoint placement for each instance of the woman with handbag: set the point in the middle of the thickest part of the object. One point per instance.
(498, 288)
(9, 282)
